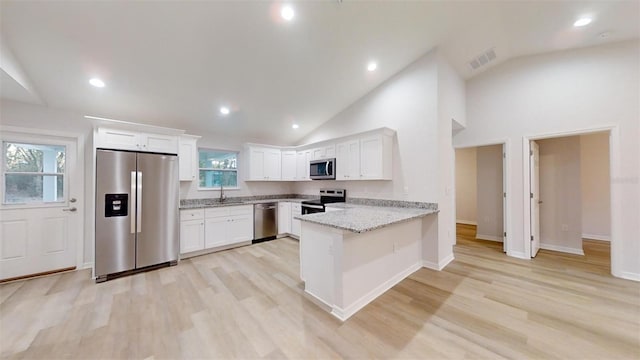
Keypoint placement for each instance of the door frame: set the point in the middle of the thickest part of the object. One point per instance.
(79, 140)
(506, 185)
(614, 167)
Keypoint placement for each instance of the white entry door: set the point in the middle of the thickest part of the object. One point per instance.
(534, 203)
(40, 213)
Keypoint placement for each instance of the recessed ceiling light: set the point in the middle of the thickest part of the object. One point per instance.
(96, 82)
(582, 22)
(372, 66)
(224, 110)
(287, 12)
(295, 126)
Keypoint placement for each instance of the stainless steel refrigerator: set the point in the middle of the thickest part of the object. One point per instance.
(137, 219)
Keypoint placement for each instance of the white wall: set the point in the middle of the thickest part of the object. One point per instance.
(562, 92)
(594, 177)
(489, 191)
(407, 103)
(561, 208)
(420, 103)
(466, 186)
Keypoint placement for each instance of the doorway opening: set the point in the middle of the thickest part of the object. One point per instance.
(570, 199)
(481, 196)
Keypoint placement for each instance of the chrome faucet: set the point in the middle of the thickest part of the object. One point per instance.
(222, 196)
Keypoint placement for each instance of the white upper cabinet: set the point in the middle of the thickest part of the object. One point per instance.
(264, 163)
(302, 165)
(138, 141)
(188, 157)
(376, 157)
(324, 152)
(364, 156)
(348, 160)
(289, 165)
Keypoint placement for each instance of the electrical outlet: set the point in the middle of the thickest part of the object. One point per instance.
(565, 227)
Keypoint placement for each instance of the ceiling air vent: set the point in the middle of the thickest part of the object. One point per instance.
(483, 59)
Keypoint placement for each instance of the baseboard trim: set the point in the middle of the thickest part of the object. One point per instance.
(518, 255)
(563, 249)
(630, 276)
(466, 222)
(344, 314)
(87, 265)
(440, 265)
(596, 237)
(488, 237)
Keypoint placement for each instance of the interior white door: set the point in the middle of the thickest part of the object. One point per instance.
(41, 213)
(534, 164)
(504, 198)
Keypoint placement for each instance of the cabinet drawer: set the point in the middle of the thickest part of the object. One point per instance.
(195, 214)
(240, 210)
(216, 212)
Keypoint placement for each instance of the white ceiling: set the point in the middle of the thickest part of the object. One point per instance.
(175, 63)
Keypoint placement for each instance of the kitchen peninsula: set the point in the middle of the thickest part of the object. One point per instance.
(353, 253)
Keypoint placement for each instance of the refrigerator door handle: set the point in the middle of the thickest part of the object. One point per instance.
(132, 203)
(139, 203)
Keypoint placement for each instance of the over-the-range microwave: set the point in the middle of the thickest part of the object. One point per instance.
(324, 169)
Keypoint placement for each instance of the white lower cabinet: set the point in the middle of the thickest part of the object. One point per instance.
(221, 226)
(215, 232)
(284, 218)
(191, 235)
(296, 209)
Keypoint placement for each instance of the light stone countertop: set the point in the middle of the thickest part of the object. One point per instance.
(231, 202)
(363, 218)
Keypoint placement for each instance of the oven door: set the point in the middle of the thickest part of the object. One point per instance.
(312, 209)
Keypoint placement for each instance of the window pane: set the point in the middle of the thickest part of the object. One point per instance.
(211, 159)
(29, 189)
(213, 178)
(34, 158)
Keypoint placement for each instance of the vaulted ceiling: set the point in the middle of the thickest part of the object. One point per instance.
(176, 63)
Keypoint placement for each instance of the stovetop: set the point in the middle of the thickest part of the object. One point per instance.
(328, 196)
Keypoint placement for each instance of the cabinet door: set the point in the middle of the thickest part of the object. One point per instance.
(302, 166)
(284, 218)
(118, 139)
(330, 151)
(191, 235)
(295, 223)
(240, 228)
(348, 160)
(317, 154)
(289, 168)
(188, 158)
(216, 232)
(273, 164)
(256, 164)
(159, 143)
(371, 157)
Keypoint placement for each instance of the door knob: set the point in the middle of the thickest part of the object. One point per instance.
(539, 201)
(70, 209)
(72, 200)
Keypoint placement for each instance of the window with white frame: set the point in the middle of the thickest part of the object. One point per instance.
(33, 173)
(217, 168)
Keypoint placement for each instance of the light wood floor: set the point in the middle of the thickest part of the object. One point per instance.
(248, 303)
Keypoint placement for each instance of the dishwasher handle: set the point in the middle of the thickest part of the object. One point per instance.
(266, 206)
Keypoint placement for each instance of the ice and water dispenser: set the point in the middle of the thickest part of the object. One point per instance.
(116, 205)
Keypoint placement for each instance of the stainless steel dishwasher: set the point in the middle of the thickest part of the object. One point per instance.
(265, 221)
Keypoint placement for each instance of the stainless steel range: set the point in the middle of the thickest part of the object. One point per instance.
(327, 196)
